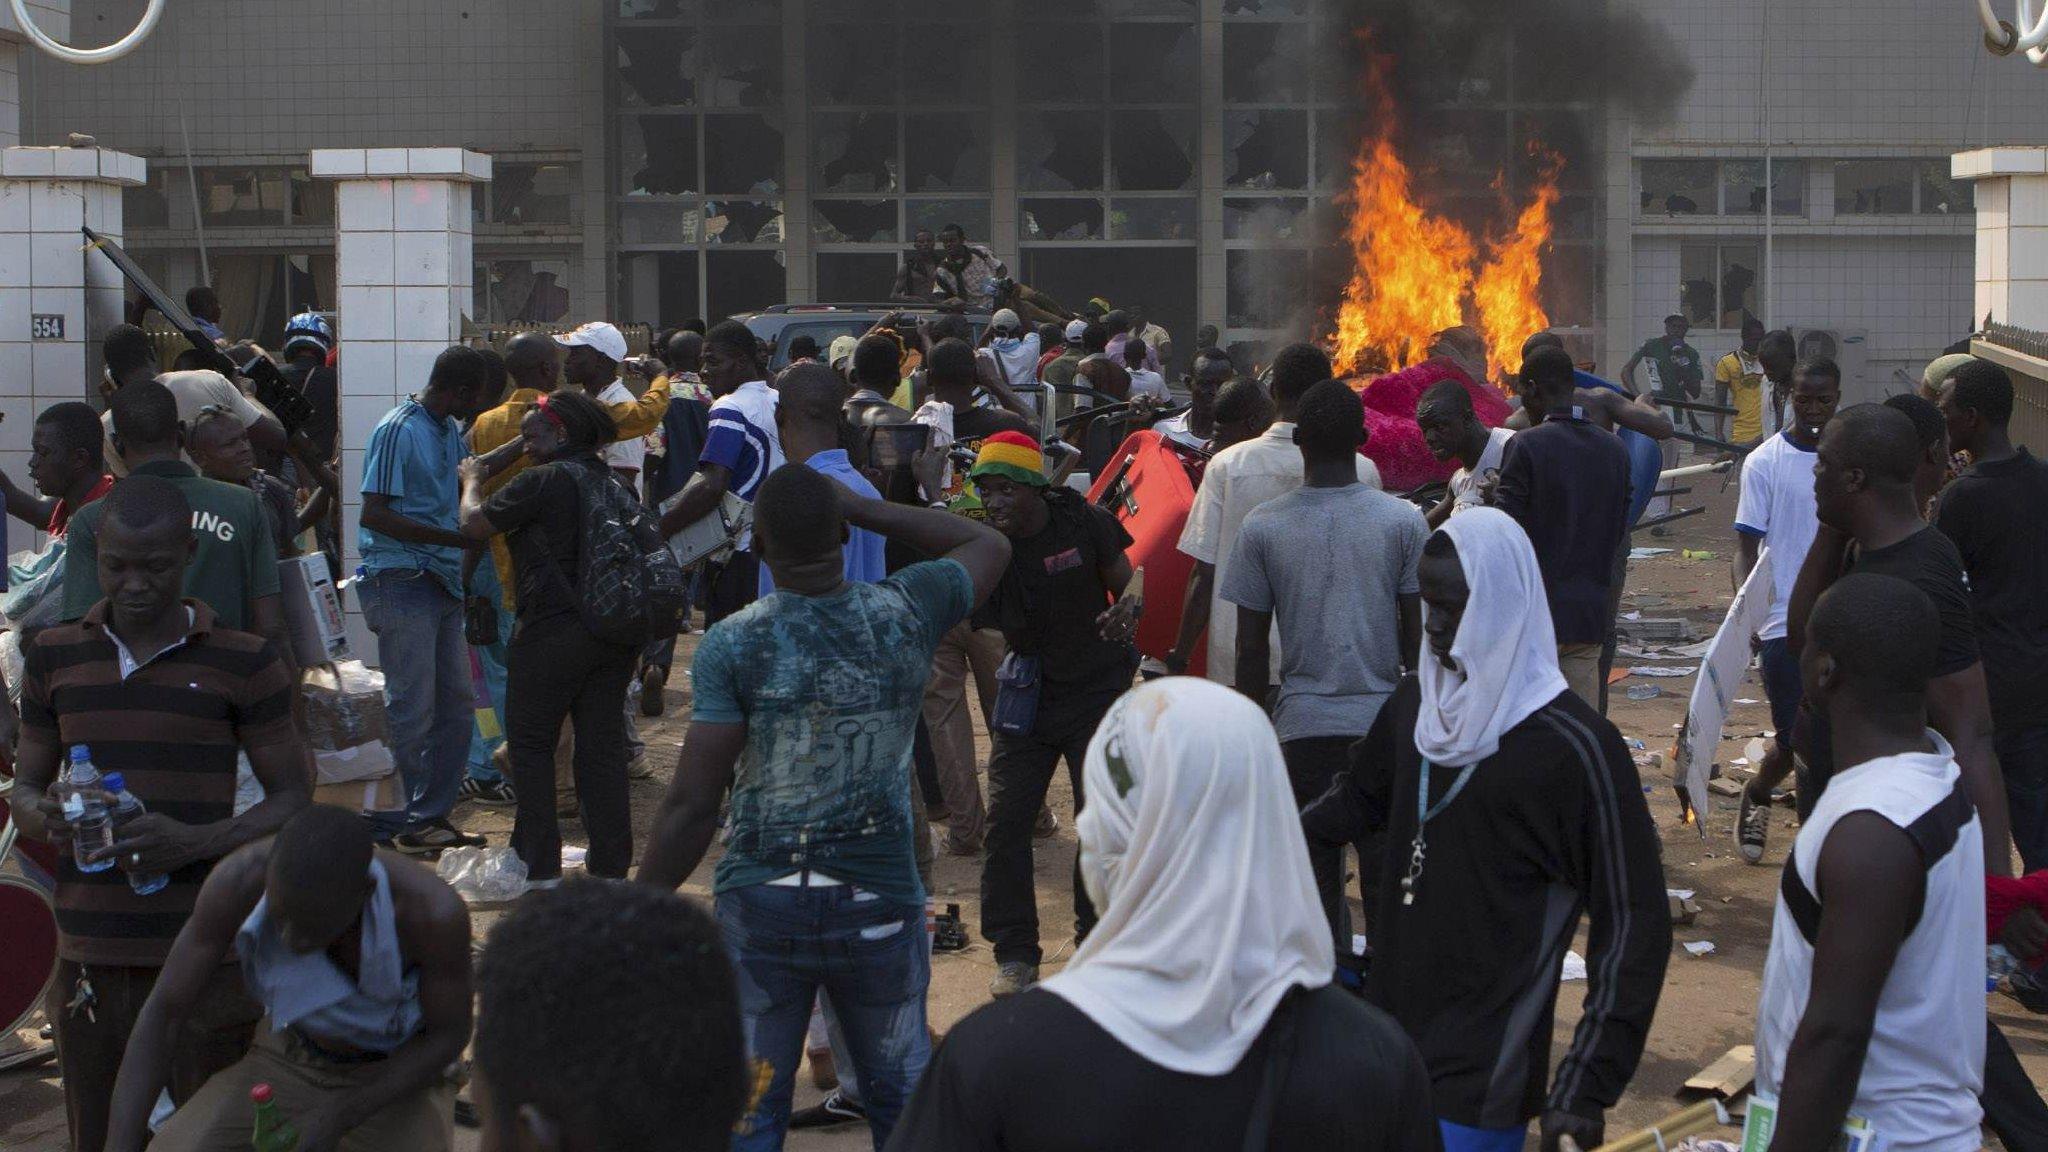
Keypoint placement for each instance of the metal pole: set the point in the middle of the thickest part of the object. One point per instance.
(192, 182)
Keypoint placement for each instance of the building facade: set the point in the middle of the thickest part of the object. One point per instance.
(661, 159)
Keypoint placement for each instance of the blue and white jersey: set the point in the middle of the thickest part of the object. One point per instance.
(741, 438)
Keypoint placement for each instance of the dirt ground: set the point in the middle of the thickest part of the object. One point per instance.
(1708, 1003)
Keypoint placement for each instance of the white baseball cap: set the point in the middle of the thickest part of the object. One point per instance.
(1077, 330)
(597, 334)
(1005, 318)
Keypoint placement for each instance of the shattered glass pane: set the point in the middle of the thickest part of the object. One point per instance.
(1152, 63)
(679, 222)
(1262, 63)
(970, 215)
(946, 151)
(949, 66)
(1061, 219)
(1678, 188)
(1263, 218)
(1263, 285)
(856, 151)
(741, 67)
(1864, 187)
(658, 287)
(743, 281)
(1059, 151)
(536, 291)
(658, 155)
(1062, 66)
(849, 276)
(1267, 149)
(853, 64)
(1146, 218)
(853, 221)
(1473, 142)
(532, 193)
(743, 154)
(657, 67)
(743, 222)
(1152, 151)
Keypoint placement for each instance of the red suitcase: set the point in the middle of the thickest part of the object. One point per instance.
(1149, 484)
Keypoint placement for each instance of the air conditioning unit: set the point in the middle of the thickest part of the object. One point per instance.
(1849, 348)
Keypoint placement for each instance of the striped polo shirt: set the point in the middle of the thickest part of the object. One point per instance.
(172, 727)
(742, 438)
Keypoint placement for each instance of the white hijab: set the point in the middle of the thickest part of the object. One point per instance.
(1505, 649)
(1191, 849)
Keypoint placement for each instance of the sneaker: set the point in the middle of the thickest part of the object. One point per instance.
(640, 767)
(651, 681)
(435, 837)
(830, 1112)
(489, 793)
(954, 846)
(1012, 977)
(1752, 828)
(1046, 825)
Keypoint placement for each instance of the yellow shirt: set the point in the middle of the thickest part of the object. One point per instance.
(1740, 373)
(500, 426)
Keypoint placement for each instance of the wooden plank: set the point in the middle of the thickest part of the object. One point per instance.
(1727, 1076)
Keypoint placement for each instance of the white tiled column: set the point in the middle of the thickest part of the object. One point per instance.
(402, 273)
(57, 298)
(2012, 233)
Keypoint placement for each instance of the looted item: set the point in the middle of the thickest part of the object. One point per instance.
(382, 794)
(312, 610)
(345, 723)
(483, 875)
(35, 590)
(949, 935)
(713, 536)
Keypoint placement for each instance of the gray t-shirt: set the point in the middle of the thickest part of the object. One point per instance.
(1330, 564)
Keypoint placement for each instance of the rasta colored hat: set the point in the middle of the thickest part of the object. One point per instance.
(1012, 456)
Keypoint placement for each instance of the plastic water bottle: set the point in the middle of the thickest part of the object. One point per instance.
(272, 1132)
(92, 826)
(126, 808)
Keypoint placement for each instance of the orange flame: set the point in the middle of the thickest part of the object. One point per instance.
(1413, 272)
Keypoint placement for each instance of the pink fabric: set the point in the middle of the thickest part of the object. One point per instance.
(1395, 444)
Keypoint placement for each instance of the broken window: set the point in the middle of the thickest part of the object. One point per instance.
(743, 281)
(1873, 187)
(1160, 280)
(242, 196)
(531, 193)
(1940, 193)
(1336, 139)
(946, 151)
(1152, 63)
(743, 222)
(1474, 142)
(1742, 187)
(856, 151)
(149, 205)
(1059, 151)
(1152, 150)
(1262, 63)
(741, 66)
(535, 291)
(850, 276)
(656, 67)
(312, 200)
(1678, 188)
(949, 65)
(1718, 284)
(743, 153)
(1061, 219)
(1060, 65)
(661, 222)
(970, 215)
(658, 155)
(658, 288)
(1265, 149)
(1149, 218)
(1263, 286)
(853, 64)
(1263, 218)
(853, 221)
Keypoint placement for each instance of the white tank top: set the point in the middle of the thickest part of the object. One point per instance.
(1925, 1065)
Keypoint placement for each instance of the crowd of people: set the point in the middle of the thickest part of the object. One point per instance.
(1420, 682)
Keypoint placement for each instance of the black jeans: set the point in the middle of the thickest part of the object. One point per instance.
(553, 669)
(2012, 1106)
(731, 586)
(2023, 761)
(1019, 771)
(1312, 763)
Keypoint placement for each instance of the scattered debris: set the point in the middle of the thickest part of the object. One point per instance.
(1662, 630)
(1653, 670)
(1700, 947)
(1644, 692)
(1574, 968)
(1683, 909)
(1729, 1075)
(1746, 700)
(1724, 787)
(1646, 553)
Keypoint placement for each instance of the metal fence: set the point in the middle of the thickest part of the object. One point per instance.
(2023, 352)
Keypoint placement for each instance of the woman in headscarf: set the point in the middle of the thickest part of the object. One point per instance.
(1199, 1015)
(1509, 806)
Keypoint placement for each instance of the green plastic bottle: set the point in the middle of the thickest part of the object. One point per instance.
(273, 1132)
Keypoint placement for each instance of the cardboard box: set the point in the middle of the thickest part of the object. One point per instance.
(380, 795)
(312, 610)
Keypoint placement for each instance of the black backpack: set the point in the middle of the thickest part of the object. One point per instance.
(629, 588)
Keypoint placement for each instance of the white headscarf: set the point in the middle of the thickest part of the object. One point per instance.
(1192, 851)
(1506, 649)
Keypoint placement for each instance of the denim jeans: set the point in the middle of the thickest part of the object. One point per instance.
(2023, 760)
(492, 658)
(428, 701)
(867, 954)
(1780, 667)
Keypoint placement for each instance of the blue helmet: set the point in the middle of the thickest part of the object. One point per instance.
(308, 328)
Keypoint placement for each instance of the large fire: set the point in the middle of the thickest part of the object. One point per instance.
(1415, 273)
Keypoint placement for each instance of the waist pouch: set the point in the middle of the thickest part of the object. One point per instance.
(1018, 683)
